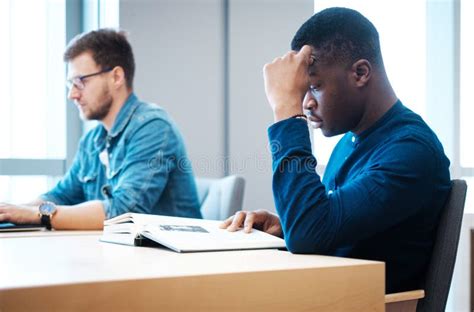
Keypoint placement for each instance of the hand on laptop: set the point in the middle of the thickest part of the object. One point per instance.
(260, 219)
(19, 214)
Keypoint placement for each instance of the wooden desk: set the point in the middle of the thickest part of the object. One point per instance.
(64, 273)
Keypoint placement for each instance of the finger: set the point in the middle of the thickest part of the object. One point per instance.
(249, 222)
(225, 224)
(305, 53)
(237, 221)
(290, 53)
(4, 217)
(260, 217)
(266, 67)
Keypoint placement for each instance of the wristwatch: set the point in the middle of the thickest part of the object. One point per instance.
(46, 211)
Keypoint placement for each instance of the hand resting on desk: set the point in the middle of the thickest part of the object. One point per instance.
(261, 220)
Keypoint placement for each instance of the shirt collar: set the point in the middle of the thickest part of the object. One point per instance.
(393, 111)
(123, 117)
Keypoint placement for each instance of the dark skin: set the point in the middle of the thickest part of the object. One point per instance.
(337, 98)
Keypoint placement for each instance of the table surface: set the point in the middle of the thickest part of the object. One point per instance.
(42, 265)
(72, 258)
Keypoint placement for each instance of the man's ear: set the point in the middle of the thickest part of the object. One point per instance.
(362, 72)
(118, 76)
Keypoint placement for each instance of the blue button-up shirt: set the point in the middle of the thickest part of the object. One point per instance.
(380, 198)
(139, 166)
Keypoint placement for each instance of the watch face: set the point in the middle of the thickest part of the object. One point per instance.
(47, 208)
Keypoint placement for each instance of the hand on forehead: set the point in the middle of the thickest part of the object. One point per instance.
(306, 52)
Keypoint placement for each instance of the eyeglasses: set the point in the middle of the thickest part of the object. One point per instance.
(78, 81)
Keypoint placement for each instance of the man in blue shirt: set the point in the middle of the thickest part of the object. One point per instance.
(387, 178)
(134, 160)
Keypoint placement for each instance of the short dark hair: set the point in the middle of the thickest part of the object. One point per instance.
(109, 48)
(342, 35)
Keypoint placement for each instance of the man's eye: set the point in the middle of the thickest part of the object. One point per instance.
(315, 87)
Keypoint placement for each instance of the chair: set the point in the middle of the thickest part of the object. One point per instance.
(220, 198)
(440, 270)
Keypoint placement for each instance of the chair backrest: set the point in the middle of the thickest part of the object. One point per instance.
(440, 269)
(220, 198)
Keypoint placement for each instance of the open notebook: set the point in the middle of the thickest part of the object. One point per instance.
(182, 234)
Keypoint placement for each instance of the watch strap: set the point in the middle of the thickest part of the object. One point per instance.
(46, 221)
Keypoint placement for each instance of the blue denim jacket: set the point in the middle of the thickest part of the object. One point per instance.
(139, 166)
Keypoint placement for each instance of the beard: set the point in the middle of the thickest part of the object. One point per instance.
(100, 111)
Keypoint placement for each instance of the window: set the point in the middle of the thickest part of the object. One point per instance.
(32, 115)
(39, 130)
(33, 109)
(466, 69)
(466, 111)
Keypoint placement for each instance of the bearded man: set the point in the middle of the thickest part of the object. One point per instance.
(134, 160)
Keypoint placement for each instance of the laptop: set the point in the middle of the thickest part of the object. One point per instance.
(11, 227)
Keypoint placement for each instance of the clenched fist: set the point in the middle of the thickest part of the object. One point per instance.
(286, 82)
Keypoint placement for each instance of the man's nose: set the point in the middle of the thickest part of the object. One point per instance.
(309, 101)
(73, 93)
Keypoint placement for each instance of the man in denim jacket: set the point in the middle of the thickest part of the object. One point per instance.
(133, 161)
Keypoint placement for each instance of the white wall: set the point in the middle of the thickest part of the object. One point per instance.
(178, 46)
(259, 32)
